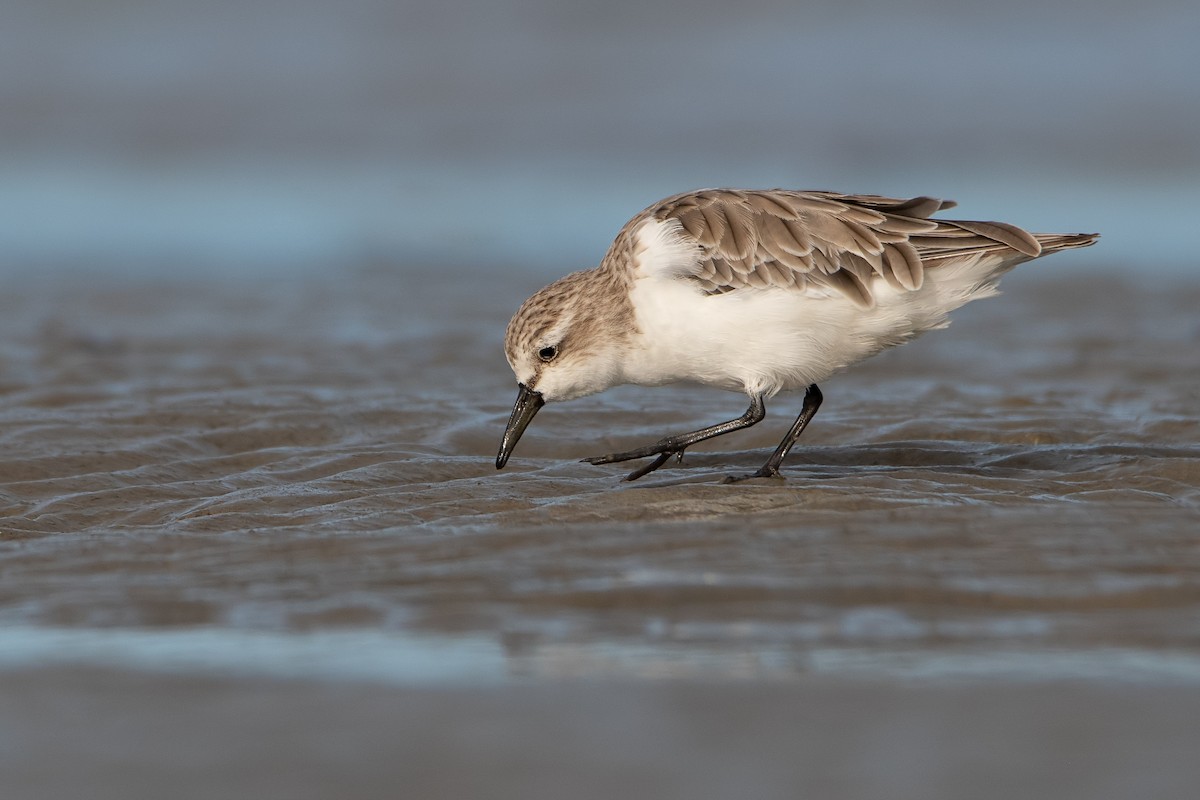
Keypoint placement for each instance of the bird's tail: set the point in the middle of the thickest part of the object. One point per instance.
(1053, 242)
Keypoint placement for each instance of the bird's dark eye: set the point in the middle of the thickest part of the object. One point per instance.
(548, 353)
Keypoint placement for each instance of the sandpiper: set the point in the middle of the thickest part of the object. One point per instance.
(756, 291)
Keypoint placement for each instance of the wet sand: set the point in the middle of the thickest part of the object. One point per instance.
(235, 514)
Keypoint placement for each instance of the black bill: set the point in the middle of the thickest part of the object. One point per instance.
(528, 403)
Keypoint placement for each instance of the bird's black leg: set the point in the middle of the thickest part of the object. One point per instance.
(812, 401)
(675, 445)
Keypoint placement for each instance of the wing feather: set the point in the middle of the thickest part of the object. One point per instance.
(1019, 240)
(846, 283)
(693, 222)
(723, 272)
(741, 238)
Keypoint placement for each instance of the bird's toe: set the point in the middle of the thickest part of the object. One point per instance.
(649, 467)
(658, 448)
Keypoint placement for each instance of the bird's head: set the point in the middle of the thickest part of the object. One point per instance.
(564, 342)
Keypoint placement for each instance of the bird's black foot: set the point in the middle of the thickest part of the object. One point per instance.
(675, 445)
(664, 450)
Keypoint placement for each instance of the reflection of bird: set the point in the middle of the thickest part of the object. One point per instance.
(754, 291)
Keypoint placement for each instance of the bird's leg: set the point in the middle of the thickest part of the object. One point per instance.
(675, 445)
(812, 401)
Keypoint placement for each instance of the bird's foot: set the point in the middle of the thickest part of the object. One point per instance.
(664, 450)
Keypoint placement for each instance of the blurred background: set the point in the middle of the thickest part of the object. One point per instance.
(286, 135)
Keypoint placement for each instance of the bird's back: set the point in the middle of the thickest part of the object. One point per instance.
(822, 241)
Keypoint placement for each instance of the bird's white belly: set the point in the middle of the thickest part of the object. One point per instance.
(758, 340)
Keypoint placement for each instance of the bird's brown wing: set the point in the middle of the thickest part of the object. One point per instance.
(825, 240)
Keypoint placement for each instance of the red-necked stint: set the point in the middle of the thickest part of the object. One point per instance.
(757, 292)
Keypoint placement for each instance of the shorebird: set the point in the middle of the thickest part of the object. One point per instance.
(754, 291)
